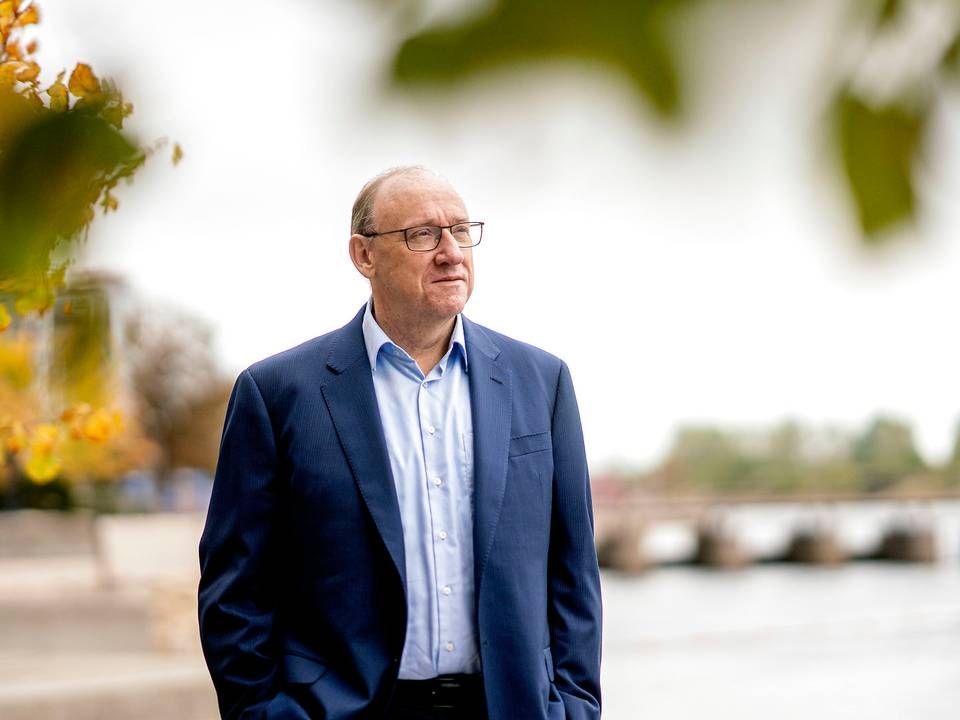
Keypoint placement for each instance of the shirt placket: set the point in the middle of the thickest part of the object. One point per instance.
(435, 427)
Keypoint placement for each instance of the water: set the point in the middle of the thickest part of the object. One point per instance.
(863, 640)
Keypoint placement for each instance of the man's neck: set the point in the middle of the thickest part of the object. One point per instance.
(425, 342)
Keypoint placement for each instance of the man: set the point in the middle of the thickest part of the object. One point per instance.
(401, 523)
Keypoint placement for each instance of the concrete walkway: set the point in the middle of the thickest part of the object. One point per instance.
(103, 630)
(104, 686)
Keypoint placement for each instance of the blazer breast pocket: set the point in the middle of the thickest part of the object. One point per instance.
(528, 444)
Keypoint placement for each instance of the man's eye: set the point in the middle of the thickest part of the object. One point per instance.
(421, 233)
(460, 229)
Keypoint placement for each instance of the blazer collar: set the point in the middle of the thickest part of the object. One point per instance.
(352, 403)
(347, 347)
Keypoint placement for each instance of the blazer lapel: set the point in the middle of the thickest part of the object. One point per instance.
(352, 402)
(490, 402)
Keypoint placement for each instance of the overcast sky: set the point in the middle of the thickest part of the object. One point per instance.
(706, 273)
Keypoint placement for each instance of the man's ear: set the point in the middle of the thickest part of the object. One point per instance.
(360, 254)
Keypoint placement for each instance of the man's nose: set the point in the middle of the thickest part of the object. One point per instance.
(448, 251)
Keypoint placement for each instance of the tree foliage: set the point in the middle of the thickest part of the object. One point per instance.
(180, 394)
(880, 126)
(886, 453)
(791, 458)
(84, 443)
(62, 154)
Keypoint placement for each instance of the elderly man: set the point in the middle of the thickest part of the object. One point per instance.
(401, 523)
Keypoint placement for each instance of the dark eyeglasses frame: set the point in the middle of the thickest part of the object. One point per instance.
(406, 239)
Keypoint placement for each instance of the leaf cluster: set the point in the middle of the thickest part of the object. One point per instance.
(62, 154)
(878, 138)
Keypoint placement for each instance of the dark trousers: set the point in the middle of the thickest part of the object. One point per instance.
(448, 697)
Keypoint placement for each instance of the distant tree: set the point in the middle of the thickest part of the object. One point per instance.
(885, 453)
(179, 390)
(707, 458)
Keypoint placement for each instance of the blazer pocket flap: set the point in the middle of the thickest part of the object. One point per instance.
(548, 661)
(527, 444)
(300, 669)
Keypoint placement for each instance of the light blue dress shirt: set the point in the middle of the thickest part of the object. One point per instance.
(429, 434)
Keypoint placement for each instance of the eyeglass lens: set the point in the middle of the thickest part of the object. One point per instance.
(427, 237)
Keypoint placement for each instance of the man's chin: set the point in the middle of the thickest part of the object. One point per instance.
(448, 307)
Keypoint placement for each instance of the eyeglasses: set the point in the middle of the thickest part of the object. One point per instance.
(424, 238)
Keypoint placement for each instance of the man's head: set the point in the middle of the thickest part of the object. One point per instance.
(415, 288)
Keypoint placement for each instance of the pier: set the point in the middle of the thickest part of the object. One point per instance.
(730, 532)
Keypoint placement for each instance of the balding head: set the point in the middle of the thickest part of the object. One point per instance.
(362, 220)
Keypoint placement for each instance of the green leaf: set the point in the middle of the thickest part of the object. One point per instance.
(888, 12)
(634, 37)
(879, 149)
(950, 60)
(53, 168)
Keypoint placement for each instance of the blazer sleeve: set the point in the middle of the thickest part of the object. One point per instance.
(236, 593)
(574, 577)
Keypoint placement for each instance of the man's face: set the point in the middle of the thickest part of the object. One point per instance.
(419, 286)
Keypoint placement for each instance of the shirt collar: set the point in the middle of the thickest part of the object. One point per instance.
(375, 338)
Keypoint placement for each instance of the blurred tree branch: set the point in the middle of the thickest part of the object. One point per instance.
(879, 137)
(62, 153)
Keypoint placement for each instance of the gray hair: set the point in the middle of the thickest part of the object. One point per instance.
(361, 219)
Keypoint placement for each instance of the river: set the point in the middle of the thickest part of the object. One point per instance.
(862, 640)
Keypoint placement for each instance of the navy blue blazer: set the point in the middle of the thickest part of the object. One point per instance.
(302, 601)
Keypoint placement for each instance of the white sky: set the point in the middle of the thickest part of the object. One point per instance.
(706, 273)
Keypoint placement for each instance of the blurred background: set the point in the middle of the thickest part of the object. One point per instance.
(735, 220)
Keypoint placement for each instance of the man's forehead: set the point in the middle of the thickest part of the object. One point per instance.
(410, 191)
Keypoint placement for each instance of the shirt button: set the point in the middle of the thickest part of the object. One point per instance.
(438, 481)
(446, 590)
(424, 384)
(449, 647)
(431, 430)
(443, 534)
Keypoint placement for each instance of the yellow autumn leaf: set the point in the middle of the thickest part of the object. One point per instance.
(18, 438)
(32, 47)
(38, 299)
(33, 96)
(59, 97)
(69, 413)
(97, 426)
(177, 154)
(30, 16)
(13, 51)
(8, 73)
(42, 468)
(83, 82)
(28, 72)
(5, 318)
(8, 15)
(44, 439)
(109, 203)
